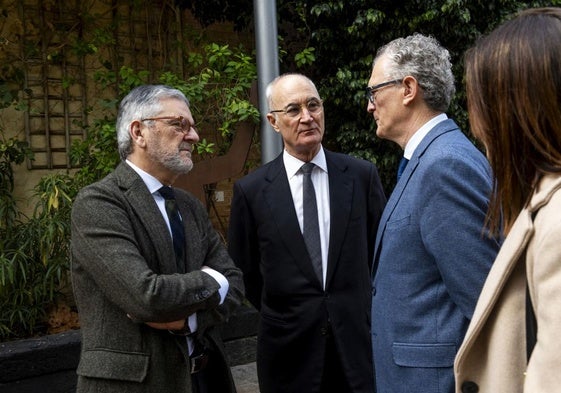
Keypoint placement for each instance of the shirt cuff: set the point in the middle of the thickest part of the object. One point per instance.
(192, 322)
(222, 281)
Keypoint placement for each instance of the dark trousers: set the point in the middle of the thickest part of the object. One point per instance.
(199, 381)
(214, 377)
(334, 379)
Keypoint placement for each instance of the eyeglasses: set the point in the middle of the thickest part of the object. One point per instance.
(372, 90)
(313, 106)
(179, 123)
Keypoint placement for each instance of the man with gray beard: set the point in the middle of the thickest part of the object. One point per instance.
(151, 277)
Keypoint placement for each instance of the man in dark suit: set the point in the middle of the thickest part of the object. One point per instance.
(314, 325)
(432, 255)
(151, 277)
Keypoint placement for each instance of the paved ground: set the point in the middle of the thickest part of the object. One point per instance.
(245, 377)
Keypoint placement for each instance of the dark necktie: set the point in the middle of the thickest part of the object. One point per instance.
(311, 226)
(401, 168)
(177, 230)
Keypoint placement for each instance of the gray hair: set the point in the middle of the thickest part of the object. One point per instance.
(142, 101)
(427, 61)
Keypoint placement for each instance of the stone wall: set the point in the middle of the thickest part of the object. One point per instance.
(48, 364)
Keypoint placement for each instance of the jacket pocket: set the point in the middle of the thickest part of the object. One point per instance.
(272, 319)
(395, 224)
(424, 355)
(111, 364)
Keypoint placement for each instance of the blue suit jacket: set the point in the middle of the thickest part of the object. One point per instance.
(431, 259)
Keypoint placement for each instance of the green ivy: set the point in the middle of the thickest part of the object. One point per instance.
(334, 43)
(34, 251)
(345, 37)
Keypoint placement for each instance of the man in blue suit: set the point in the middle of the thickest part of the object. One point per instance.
(431, 253)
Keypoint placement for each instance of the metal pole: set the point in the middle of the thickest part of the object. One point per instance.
(266, 43)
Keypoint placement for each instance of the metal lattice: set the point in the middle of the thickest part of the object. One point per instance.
(146, 34)
(54, 82)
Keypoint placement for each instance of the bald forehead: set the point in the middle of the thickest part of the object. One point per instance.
(293, 88)
(289, 81)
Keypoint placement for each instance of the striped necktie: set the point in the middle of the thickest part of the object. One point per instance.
(311, 226)
(177, 230)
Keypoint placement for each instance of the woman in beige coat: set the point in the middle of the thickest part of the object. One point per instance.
(513, 81)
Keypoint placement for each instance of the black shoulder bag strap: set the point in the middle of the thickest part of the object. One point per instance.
(531, 324)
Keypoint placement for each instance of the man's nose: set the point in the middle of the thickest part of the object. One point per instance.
(192, 135)
(305, 114)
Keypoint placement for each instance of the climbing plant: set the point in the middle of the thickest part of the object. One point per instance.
(34, 249)
(334, 43)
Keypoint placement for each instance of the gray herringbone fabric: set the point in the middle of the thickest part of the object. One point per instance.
(311, 226)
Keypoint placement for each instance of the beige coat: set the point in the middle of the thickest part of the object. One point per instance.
(492, 358)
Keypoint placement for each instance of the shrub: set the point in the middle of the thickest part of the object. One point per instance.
(34, 251)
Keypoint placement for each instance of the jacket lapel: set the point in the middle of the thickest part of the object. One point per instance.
(278, 197)
(441, 128)
(340, 202)
(147, 212)
(193, 250)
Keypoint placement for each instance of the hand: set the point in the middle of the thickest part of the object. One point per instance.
(174, 325)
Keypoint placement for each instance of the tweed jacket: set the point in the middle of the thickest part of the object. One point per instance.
(295, 310)
(493, 355)
(432, 260)
(124, 272)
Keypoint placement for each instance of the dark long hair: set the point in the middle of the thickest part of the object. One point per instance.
(513, 82)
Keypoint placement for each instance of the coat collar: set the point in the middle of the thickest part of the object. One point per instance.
(508, 258)
(544, 191)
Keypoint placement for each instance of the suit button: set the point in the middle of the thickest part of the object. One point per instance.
(323, 331)
(470, 387)
(373, 291)
(202, 295)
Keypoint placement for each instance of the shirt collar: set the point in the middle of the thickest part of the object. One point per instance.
(151, 182)
(293, 164)
(418, 136)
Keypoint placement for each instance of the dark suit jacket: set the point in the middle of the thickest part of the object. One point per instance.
(123, 263)
(266, 242)
(432, 258)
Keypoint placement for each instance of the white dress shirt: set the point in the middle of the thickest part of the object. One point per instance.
(320, 179)
(418, 136)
